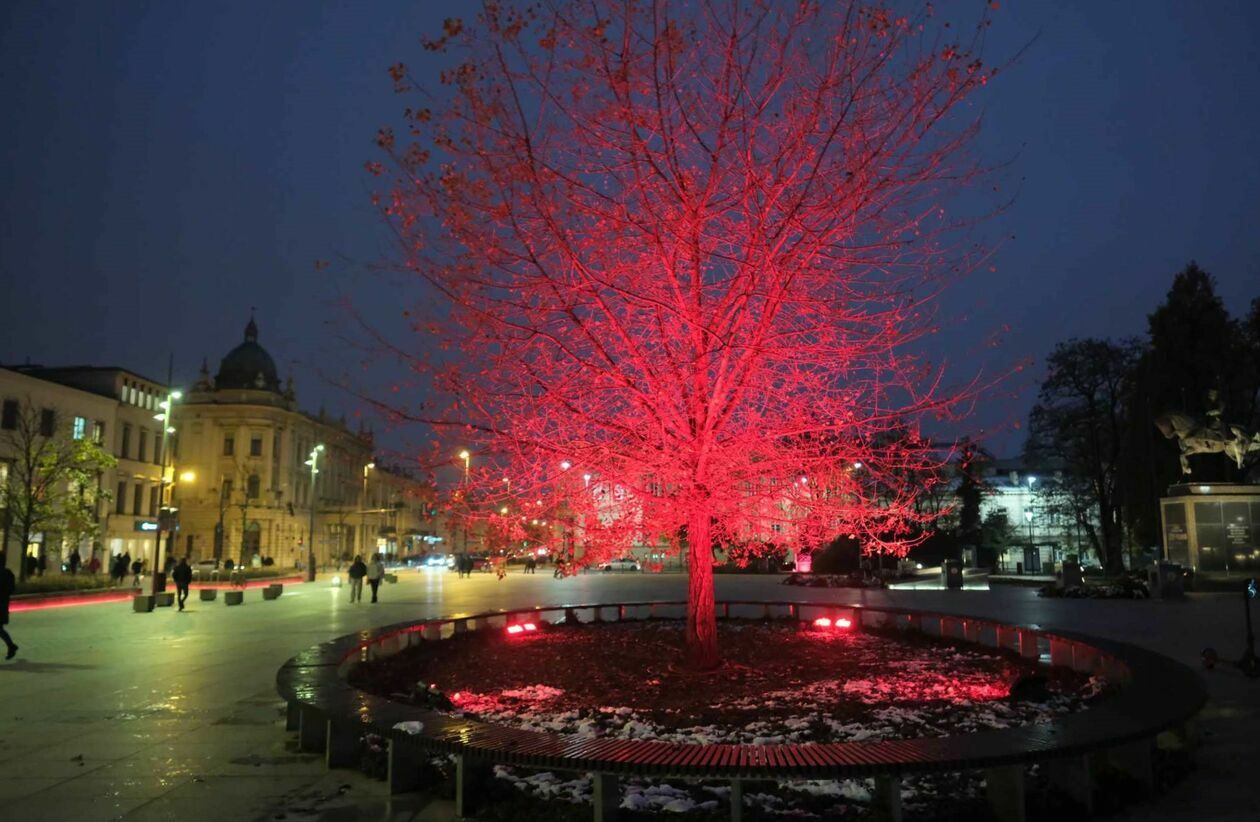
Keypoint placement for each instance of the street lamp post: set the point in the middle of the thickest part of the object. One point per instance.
(465, 456)
(313, 462)
(166, 417)
(363, 507)
(1028, 517)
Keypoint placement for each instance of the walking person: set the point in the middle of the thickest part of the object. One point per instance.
(375, 573)
(7, 584)
(75, 559)
(136, 568)
(182, 575)
(356, 573)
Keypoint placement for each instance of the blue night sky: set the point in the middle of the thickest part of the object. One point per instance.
(165, 166)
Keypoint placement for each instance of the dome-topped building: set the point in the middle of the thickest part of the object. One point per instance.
(248, 366)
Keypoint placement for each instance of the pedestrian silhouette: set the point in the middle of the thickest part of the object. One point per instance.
(183, 578)
(356, 573)
(7, 584)
(375, 573)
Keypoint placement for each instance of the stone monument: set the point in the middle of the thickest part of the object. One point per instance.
(1208, 436)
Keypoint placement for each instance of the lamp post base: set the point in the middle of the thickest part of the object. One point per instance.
(310, 567)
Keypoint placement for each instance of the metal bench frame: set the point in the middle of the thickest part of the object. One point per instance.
(1158, 695)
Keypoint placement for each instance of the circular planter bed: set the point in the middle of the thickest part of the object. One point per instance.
(781, 682)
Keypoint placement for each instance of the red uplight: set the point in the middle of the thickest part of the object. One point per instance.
(827, 622)
(514, 629)
(529, 626)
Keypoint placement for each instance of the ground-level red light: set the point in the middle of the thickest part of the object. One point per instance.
(843, 623)
(529, 626)
(514, 629)
(822, 622)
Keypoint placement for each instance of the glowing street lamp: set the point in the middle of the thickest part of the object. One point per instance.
(167, 417)
(313, 462)
(565, 465)
(465, 456)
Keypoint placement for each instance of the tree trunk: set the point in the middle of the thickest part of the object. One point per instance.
(702, 650)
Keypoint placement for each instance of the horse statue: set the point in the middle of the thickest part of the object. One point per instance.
(1194, 437)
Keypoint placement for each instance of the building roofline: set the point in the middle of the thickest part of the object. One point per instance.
(34, 370)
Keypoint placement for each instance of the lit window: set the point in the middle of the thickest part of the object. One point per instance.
(80, 428)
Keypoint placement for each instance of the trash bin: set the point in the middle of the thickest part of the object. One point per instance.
(952, 573)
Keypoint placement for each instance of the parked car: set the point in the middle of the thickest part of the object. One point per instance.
(622, 564)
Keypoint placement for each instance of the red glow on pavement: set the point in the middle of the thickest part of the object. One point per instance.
(70, 601)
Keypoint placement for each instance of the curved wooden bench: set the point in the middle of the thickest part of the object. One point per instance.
(1157, 695)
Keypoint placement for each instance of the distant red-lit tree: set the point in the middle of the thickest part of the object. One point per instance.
(681, 260)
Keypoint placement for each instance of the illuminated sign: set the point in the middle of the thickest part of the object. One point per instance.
(146, 525)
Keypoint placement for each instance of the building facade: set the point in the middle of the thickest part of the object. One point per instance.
(244, 485)
(116, 408)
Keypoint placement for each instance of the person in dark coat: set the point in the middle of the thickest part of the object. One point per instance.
(358, 570)
(182, 575)
(7, 584)
(75, 559)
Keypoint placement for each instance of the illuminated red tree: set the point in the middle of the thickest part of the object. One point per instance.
(681, 260)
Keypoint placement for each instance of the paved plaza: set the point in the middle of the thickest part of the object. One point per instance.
(108, 714)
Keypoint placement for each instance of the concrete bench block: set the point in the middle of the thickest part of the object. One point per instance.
(887, 797)
(403, 769)
(234, 597)
(391, 578)
(1029, 647)
(1061, 653)
(209, 594)
(607, 797)
(1004, 788)
(142, 603)
(272, 592)
(164, 600)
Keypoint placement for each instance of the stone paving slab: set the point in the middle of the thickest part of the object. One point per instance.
(109, 714)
